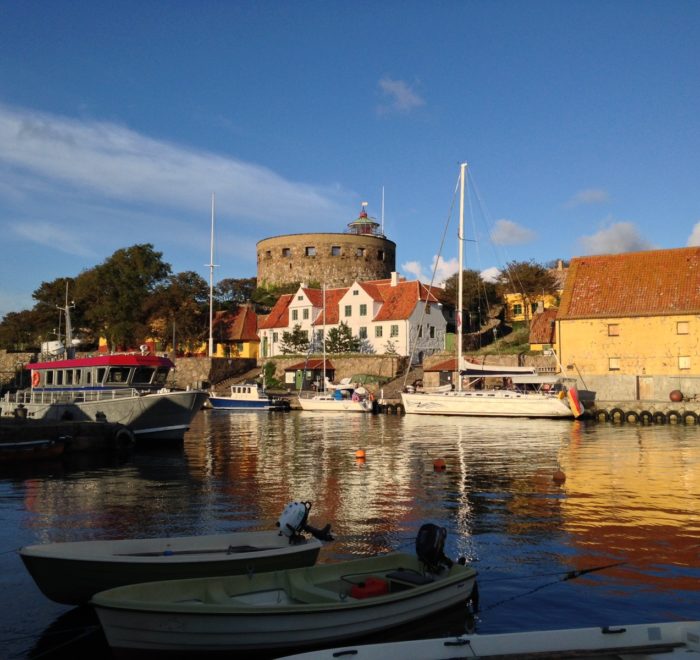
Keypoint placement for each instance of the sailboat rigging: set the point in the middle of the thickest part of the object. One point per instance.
(532, 395)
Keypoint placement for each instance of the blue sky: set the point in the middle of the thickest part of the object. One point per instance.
(579, 121)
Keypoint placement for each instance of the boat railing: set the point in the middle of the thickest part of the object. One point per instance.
(69, 396)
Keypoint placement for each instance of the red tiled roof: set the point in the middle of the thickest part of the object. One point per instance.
(653, 283)
(333, 297)
(241, 325)
(279, 315)
(447, 365)
(542, 327)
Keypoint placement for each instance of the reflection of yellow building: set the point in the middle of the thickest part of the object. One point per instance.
(635, 314)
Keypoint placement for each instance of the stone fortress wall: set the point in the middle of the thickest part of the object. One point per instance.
(333, 259)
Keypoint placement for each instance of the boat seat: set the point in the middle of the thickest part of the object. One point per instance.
(306, 592)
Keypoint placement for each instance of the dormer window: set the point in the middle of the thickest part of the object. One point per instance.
(355, 292)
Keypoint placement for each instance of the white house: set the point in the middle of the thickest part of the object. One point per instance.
(390, 316)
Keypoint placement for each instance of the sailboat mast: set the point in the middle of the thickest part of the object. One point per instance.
(323, 338)
(463, 173)
(211, 282)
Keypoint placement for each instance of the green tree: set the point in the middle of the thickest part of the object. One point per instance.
(183, 301)
(529, 279)
(17, 331)
(230, 292)
(114, 293)
(296, 341)
(340, 340)
(477, 296)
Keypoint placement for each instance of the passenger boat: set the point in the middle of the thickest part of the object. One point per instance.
(128, 389)
(73, 572)
(247, 397)
(322, 604)
(649, 641)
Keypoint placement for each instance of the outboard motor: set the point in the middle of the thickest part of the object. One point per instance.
(430, 547)
(294, 519)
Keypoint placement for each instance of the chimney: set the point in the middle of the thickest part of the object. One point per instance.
(560, 264)
(394, 278)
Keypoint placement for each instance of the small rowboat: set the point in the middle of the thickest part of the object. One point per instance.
(322, 604)
(72, 572)
(649, 641)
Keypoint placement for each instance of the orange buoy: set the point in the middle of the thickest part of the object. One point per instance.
(559, 477)
(360, 453)
(439, 465)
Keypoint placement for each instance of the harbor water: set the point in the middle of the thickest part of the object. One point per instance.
(568, 523)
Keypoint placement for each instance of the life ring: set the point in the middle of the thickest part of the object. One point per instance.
(645, 417)
(617, 415)
(36, 379)
(659, 417)
(673, 417)
(689, 417)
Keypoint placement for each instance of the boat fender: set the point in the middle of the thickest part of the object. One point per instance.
(645, 417)
(673, 417)
(632, 417)
(659, 417)
(617, 415)
(689, 417)
(124, 437)
(35, 379)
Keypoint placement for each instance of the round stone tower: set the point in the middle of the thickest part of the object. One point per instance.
(362, 252)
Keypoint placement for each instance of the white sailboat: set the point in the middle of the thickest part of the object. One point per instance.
(552, 399)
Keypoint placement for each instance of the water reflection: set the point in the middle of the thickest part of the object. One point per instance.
(527, 501)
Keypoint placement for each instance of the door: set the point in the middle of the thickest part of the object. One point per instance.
(645, 388)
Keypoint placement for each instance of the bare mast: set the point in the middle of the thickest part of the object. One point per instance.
(211, 282)
(462, 176)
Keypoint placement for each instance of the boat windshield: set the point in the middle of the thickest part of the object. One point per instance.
(142, 375)
(118, 375)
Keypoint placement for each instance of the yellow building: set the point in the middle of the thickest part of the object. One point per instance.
(520, 308)
(634, 314)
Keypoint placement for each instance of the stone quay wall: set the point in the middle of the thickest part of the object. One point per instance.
(337, 260)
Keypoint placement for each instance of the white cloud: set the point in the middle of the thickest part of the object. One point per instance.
(102, 159)
(491, 274)
(398, 96)
(694, 238)
(57, 238)
(507, 232)
(618, 237)
(588, 196)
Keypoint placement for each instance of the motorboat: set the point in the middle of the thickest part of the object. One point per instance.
(296, 608)
(73, 572)
(648, 641)
(247, 396)
(342, 398)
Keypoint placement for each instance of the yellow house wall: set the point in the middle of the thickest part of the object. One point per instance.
(644, 345)
(511, 299)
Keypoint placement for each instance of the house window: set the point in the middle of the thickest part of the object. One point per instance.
(275, 337)
(319, 334)
(394, 331)
(360, 252)
(363, 310)
(300, 297)
(305, 314)
(363, 333)
(613, 329)
(335, 251)
(533, 307)
(355, 292)
(377, 330)
(432, 331)
(683, 362)
(682, 328)
(310, 251)
(286, 252)
(420, 331)
(517, 310)
(380, 255)
(427, 309)
(614, 364)
(295, 314)
(348, 310)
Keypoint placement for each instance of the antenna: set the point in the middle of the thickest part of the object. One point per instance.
(382, 210)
